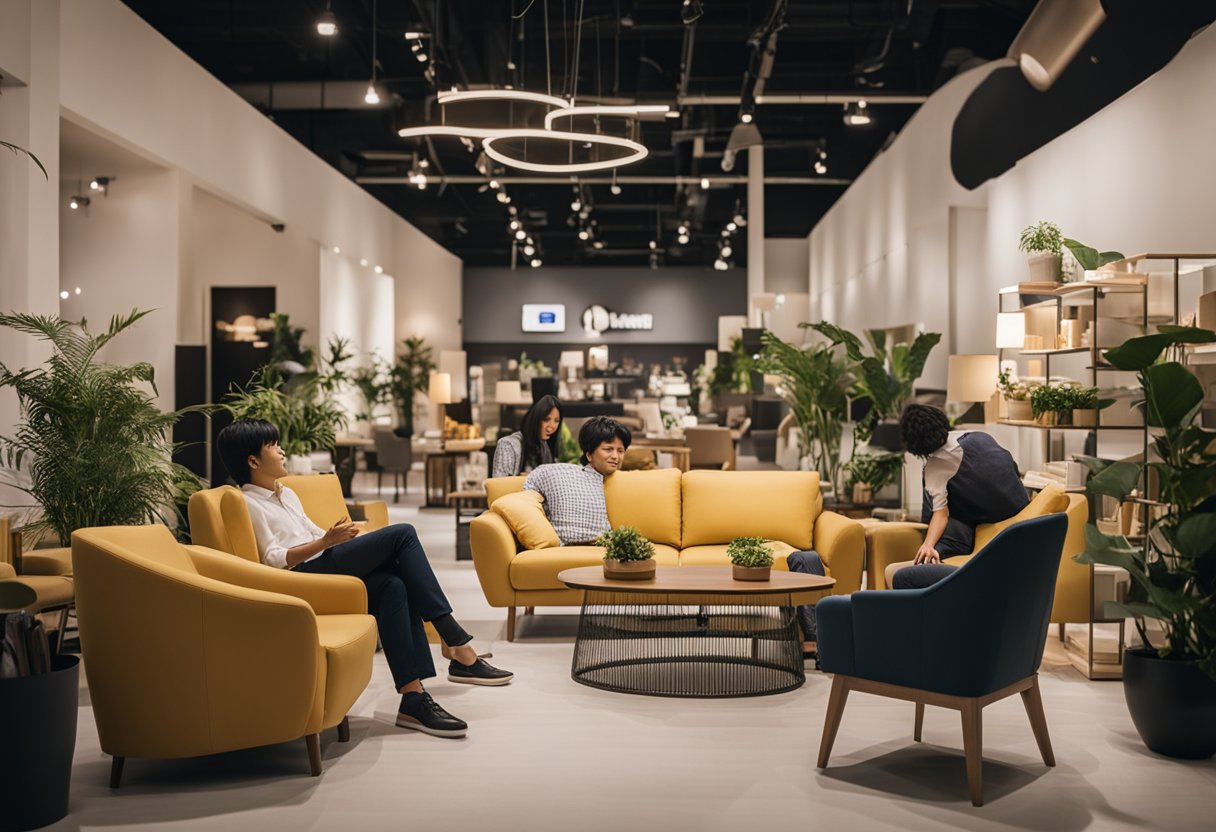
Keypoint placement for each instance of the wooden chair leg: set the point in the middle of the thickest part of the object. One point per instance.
(379, 481)
(397, 487)
(344, 729)
(529, 610)
(314, 754)
(920, 721)
(510, 623)
(1060, 630)
(116, 772)
(973, 749)
(1033, 701)
(831, 722)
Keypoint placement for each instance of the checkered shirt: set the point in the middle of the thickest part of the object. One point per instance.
(574, 501)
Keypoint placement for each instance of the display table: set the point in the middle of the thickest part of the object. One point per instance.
(691, 631)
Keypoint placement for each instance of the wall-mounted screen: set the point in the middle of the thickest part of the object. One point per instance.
(544, 317)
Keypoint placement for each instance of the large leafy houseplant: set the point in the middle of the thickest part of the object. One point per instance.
(1174, 573)
(94, 444)
(410, 374)
(733, 372)
(372, 382)
(307, 417)
(887, 376)
(815, 385)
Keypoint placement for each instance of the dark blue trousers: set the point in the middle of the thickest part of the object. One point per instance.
(809, 563)
(402, 592)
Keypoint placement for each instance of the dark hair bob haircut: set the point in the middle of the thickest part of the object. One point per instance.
(600, 429)
(242, 439)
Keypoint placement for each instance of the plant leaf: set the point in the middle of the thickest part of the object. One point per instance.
(1197, 535)
(1115, 479)
(1173, 393)
(1138, 353)
(1086, 256)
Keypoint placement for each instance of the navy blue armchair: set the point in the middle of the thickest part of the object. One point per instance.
(971, 639)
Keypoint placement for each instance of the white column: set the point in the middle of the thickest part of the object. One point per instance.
(755, 228)
(29, 215)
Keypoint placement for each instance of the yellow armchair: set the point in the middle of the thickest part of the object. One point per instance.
(889, 543)
(219, 518)
(190, 652)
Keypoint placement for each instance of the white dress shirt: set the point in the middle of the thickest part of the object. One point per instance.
(279, 523)
(941, 466)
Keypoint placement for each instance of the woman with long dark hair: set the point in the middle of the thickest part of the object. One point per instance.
(537, 442)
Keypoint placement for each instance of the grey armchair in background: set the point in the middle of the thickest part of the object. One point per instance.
(710, 447)
(395, 456)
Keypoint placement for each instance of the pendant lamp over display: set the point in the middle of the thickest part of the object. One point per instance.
(543, 132)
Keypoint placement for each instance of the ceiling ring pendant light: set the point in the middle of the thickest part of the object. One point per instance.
(629, 150)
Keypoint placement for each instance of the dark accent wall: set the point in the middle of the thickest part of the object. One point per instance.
(685, 303)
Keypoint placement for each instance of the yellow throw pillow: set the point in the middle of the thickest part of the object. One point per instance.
(524, 514)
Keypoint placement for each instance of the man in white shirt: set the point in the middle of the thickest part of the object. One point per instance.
(401, 587)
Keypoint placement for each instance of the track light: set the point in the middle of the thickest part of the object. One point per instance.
(857, 114)
(78, 201)
(63, 295)
(363, 262)
(704, 183)
(615, 189)
(378, 269)
(820, 167)
(503, 198)
(731, 226)
(101, 183)
(727, 251)
(336, 250)
(495, 184)
(654, 245)
(683, 239)
(536, 262)
(371, 96)
(584, 234)
(529, 250)
(419, 51)
(691, 11)
(597, 244)
(720, 265)
(739, 219)
(513, 225)
(576, 205)
(327, 24)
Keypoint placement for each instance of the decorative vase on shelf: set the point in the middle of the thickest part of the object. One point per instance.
(1085, 418)
(1018, 411)
(1044, 267)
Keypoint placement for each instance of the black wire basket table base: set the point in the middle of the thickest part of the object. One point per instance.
(747, 647)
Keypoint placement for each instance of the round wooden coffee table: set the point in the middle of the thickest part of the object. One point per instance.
(692, 631)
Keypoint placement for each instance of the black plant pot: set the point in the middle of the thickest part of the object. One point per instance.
(38, 738)
(1172, 703)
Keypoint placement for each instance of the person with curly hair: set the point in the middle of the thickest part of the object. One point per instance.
(969, 479)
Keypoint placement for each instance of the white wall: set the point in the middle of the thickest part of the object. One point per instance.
(121, 251)
(359, 307)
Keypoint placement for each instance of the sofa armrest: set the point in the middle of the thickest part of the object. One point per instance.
(888, 543)
(374, 514)
(326, 594)
(841, 544)
(494, 548)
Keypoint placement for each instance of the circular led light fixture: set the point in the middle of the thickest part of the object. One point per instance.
(511, 146)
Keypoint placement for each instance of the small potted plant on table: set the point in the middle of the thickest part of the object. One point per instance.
(1086, 404)
(751, 558)
(628, 555)
(1051, 404)
(1044, 247)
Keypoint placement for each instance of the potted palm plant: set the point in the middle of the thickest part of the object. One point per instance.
(410, 374)
(1044, 247)
(886, 377)
(92, 441)
(308, 419)
(628, 556)
(815, 384)
(751, 559)
(1170, 686)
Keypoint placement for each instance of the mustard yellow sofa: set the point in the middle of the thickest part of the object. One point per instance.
(689, 517)
(219, 518)
(189, 651)
(888, 543)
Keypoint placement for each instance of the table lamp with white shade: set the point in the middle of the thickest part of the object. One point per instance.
(1010, 330)
(439, 391)
(507, 394)
(970, 379)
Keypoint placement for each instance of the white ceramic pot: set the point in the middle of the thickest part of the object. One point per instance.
(1044, 267)
(299, 464)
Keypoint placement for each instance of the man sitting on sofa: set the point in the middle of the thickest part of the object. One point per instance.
(574, 496)
(402, 590)
(969, 479)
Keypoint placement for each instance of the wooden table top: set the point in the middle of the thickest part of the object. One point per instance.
(714, 580)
